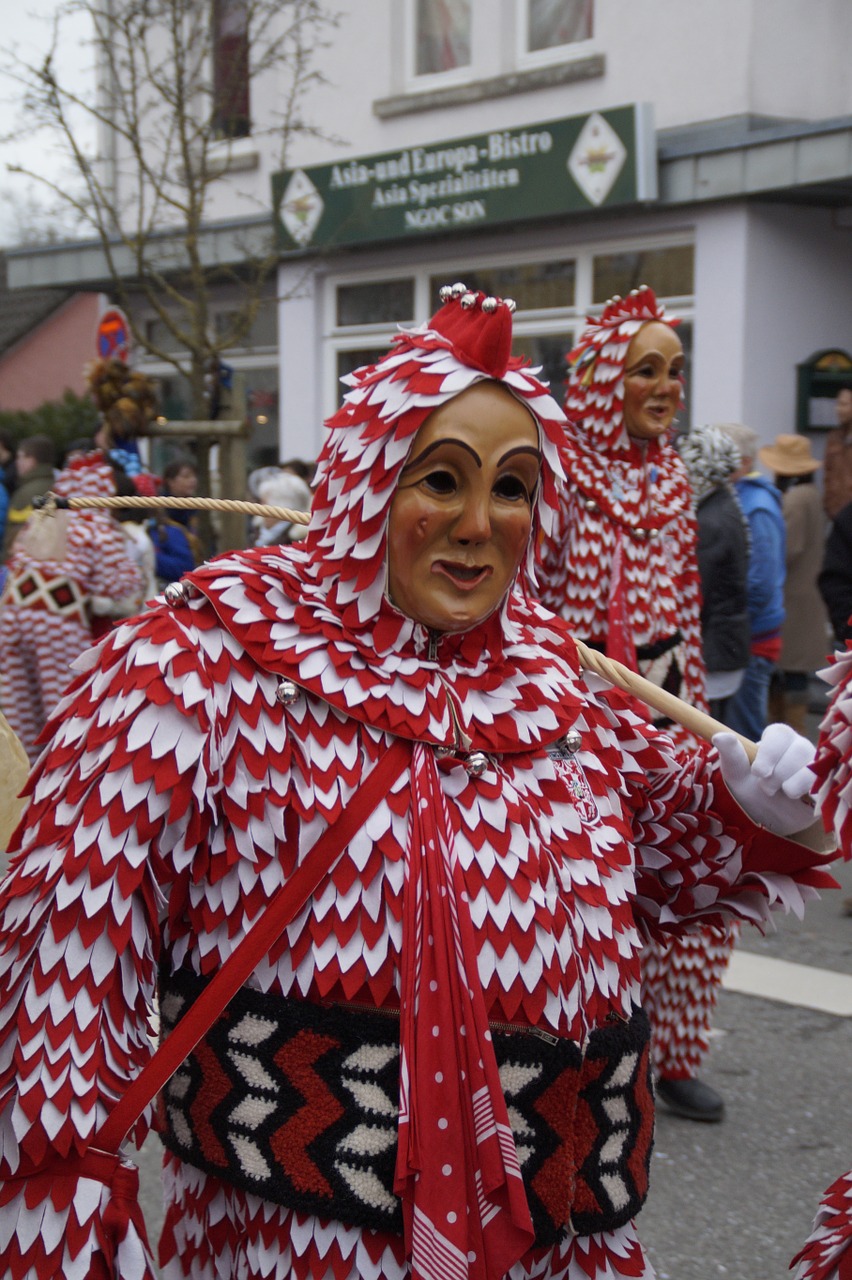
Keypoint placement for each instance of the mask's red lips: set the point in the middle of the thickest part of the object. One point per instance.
(462, 575)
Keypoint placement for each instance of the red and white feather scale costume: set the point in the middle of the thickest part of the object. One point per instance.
(39, 640)
(827, 1255)
(177, 792)
(621, 569)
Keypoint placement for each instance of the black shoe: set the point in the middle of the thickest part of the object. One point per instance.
(691, 1099)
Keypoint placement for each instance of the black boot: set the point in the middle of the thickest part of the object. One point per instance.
(691, 1099)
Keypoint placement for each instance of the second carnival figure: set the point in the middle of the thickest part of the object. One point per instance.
(621, 568)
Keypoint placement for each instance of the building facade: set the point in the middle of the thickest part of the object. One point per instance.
(555, 151)
(744, 225)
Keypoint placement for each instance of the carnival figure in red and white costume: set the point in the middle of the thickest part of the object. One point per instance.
(55, 569)
(827, 1255)
(621, 569)
(440, 1068)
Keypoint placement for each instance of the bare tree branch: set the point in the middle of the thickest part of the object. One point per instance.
(166, 123)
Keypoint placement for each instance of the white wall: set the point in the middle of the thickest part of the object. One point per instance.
(704, 60)
(720, 302)
(798, 301)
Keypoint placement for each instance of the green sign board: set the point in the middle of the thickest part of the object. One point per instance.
(509, 175)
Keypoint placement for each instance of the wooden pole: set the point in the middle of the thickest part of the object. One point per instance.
(698, 722)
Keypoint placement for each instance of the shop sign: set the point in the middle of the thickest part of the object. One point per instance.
(577, 163)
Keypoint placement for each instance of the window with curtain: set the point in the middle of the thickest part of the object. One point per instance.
(442, 32)
(551, 23)
(231, 116)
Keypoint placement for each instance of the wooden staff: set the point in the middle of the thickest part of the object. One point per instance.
(702, 725)
(698, 722)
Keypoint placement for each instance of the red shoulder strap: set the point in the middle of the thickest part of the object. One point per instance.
(282, 908)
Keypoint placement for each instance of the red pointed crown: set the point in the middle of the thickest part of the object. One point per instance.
(477, 327)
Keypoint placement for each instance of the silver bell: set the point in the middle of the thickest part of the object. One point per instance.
(287, 692)
(468, 300)
(476, 764)
(572, 741)
(176, 594)
(489, 305)
(511, 304)
(458, 289)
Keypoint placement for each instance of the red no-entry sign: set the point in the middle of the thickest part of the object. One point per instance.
(113, 334)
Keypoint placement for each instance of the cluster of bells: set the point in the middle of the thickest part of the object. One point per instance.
(178, 593)
(459, 292)
(635, 531)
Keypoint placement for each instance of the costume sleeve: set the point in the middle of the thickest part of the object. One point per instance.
(699, 857)
(122, 792)
(827, 1254)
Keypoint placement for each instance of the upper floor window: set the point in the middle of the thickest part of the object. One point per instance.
(443, 31)
(548, 24)
(231, 118)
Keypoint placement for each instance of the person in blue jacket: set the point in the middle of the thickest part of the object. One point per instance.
(173, 550)
(748, 710)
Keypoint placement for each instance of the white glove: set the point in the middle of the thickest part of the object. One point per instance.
(775, 789)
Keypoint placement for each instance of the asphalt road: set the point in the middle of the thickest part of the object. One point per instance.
(737, 1199)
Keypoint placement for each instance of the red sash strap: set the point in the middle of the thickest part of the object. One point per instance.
(283, 907)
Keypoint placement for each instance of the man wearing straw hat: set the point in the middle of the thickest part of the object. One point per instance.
(372, 759)
(804, 634)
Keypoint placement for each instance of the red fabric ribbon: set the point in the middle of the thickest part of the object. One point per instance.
(619, 643)
(457, 1171)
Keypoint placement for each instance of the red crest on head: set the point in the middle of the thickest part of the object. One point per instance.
(477, 327)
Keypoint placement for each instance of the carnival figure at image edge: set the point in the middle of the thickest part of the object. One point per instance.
(621, 568)
(58, 565)
(441, 1065)
(827, 1254)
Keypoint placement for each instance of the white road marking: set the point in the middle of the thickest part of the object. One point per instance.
(822, 989)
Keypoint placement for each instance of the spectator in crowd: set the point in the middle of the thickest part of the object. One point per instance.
(180, 480)
(281, 489)
(835, 576)
(837, 476)
(304, 470)
(748, 710)
(34, 463)
(711, 458)
(804, 635)
(58, 564)
(8, 471)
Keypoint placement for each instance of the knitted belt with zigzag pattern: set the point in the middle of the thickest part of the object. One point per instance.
(297, 1102)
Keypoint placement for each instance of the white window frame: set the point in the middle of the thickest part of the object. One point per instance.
(525, 58)
(568, 321)
(437, 79)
